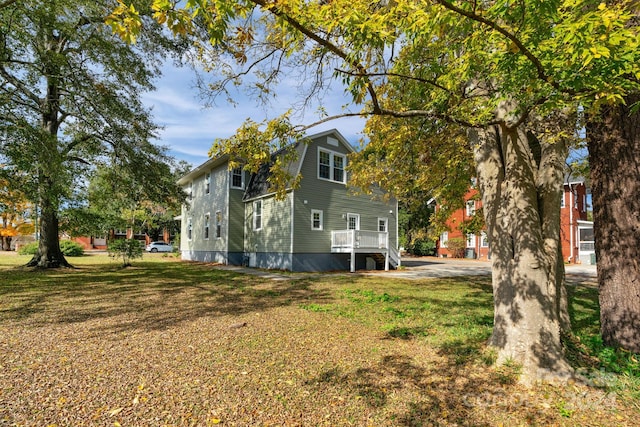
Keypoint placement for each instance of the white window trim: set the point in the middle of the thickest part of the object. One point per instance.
(321, 214)
(189, 228)
(444, 238)
(470, 207)
(562, 202)
(484, 240)
(256, 216)
(218, 225)
(471, 240)
(207, 226)
(207, 183)
(231, 174)
(332, 155)
(356, 217)
(386, 224)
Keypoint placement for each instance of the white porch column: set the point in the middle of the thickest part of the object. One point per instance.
(353, 261)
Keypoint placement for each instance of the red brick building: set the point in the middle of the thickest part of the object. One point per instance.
(576, 232)
(92, 242)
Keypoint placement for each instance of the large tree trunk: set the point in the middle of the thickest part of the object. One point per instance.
(49, 254)
(614, 159)
(521, 181)
(50, 161)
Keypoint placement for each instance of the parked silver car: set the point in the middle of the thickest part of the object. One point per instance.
(159, 247)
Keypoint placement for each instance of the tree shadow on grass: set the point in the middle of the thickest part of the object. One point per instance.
(151, 296)
(440, 394)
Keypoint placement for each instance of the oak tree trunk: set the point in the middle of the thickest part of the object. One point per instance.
(520, 181)
(49, 254)
(614, 159)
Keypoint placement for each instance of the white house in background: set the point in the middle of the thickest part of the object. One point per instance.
(233, 217)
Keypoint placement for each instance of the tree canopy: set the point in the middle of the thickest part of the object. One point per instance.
(70, 94)
(500, 81)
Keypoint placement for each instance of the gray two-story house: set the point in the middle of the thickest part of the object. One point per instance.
(233, 217)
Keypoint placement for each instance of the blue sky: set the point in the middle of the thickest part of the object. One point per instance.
(189, 129)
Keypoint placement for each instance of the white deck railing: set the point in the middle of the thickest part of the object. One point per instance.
(359, 239)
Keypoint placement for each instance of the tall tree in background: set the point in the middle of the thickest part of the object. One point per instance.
(116, 199)
(495, 71)
(70, 94)
(15, 211)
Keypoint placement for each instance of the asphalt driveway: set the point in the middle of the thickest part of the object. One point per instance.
(426, 267)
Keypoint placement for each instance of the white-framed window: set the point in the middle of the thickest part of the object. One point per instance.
(331, 165)
(471, 207)
(257, 215)
(237, 178)
(189, 228)
(383, 224)
(190, 191)
(471, 240)
(218, 224)
(353, 221)
(207, 183)
(484, 240)
(206, 226)
(316, 219)
(562, 202)
(444, 238)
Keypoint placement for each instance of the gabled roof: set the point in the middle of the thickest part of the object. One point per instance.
(572, 179)
(258, 185)
(204, 167)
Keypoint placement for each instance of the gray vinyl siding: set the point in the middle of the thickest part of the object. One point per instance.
(202, 204)
(275, 235)
(236, 221)
(334, 200)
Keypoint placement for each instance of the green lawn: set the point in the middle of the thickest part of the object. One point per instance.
(172, 343)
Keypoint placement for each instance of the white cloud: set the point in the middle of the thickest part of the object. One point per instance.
(189, 129)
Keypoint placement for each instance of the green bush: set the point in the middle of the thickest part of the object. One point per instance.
(423, 247)
(70, 248)
(29, 249)
(127, 249)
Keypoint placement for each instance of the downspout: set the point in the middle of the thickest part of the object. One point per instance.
(225, 219)
(398, 237)
(293, 210)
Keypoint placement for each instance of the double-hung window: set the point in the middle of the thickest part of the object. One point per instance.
(237, 178)
(218, 224)
(207, 183)
(316, 219)
(331, 165)
(444, 239)
(471, 207)
(383, 224)
(206, 226)
(484, 240)
(257, 215)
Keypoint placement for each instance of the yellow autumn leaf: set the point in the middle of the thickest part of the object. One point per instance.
(115, 412)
